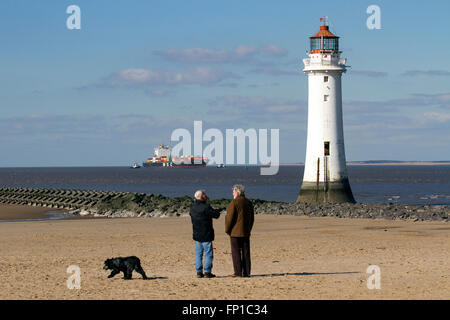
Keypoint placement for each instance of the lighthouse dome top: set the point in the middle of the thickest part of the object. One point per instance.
(324, 41)
(324, 32)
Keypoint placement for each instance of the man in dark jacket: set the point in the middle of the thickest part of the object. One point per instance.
(238, 225)
(203, 233)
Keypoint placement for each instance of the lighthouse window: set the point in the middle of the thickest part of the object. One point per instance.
(326, 148)
(325, 79)
(325, 97)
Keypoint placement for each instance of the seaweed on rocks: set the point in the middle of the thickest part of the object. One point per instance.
(125, 204)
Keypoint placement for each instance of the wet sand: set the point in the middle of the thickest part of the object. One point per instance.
(10, 212)
(292, 258)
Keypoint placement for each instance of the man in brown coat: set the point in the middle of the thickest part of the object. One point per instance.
(238, 225)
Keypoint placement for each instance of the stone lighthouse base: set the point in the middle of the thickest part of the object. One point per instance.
(336, 191)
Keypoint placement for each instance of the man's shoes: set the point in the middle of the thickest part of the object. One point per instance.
(200, 275)
(234, 275)
(246, 276)
(209, 275)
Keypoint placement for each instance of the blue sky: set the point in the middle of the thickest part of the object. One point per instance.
(136, 70)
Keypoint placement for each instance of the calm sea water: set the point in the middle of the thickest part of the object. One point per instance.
(398, 184)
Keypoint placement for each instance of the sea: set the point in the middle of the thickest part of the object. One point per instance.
(405, 184)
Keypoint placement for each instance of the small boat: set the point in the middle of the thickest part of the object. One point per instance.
(135, 166)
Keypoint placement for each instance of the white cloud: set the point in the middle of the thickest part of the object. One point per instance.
(275, 72)
(259, 108)
(86, 127)
(197, 75)
(430, 73)
(441, 100)
(368, 73)
(238, 54)
(435, 117)
(273, 50)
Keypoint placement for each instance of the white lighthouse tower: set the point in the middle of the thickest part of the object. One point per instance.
(325, 177)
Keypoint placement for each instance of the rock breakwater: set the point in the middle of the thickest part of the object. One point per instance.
(125, 204)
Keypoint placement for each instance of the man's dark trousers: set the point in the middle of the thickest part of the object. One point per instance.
(240, 252)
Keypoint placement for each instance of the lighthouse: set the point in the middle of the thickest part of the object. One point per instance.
(325, 177)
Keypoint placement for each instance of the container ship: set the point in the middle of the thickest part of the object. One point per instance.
(163, 158)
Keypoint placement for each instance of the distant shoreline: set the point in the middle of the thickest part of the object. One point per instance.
(350, 163)
(400, 163)
(382, 163)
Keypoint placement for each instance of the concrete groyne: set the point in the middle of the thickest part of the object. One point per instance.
(100, 203)
(55, 198)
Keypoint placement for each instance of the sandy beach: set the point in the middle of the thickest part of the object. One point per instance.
(292, 258)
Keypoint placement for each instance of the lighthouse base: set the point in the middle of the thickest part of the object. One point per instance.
(331, 192)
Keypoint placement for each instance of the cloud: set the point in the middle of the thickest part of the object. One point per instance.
(273, 50)
(417, 100)
(401, 136)
(240, 101)
(274, 71)
(257, 108)
(368, 73)
(389, 119)
(430, 73)
(236, 55)
(84, 139)
(158, 92)
(410, 127)
(433, 117)
(365, 106)
(149, 77)
(38, 127)
(199, 75)
(156, 82)
(441, 99)
(231, 85)
(87, 128)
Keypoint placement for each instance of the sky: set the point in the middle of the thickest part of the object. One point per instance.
(108, 93)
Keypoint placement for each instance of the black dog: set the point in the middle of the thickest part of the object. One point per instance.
(126, 265)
